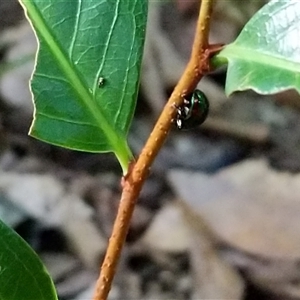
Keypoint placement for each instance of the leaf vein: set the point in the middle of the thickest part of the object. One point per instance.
(107, 44)
(76, 29)
(65, 120)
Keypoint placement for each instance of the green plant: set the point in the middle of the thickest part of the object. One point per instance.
(85, 86)
(22, 274)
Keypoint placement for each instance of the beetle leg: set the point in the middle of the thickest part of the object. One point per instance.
(177, 114)
(179, 123)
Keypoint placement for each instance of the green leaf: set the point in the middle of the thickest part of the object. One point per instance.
(266, 55)
(80, 43)
(22, 275)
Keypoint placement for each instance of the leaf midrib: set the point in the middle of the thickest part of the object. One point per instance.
(251, 55)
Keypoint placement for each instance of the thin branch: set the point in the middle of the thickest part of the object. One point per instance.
(133, 181)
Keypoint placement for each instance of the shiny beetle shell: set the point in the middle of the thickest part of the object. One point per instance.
(193, 112)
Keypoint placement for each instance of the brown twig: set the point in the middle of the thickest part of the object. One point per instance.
(133, 181)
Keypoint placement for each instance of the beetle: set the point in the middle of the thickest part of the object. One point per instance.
(101, 81)
(193, 111)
